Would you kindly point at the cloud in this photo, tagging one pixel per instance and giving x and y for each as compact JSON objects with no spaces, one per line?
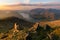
{"x":26,"y":1}
{"x":53,"y":3}
{"x":26,"y":16}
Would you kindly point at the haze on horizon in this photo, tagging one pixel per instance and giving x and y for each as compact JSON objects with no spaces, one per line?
{"x":10,"y":2}
{"x":15,"y":2}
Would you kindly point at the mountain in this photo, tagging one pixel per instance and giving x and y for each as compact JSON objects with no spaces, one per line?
{"x":6,"y":14}
{"x":42,"y":32}
{"x":13,"y":26}
{"x":9,"y":22}
{"x":15,"y":13}
{"x":45,"y":14}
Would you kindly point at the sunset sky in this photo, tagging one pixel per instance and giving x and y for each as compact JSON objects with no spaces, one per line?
{"x":4,"y":4}
{"x":9,"y":2}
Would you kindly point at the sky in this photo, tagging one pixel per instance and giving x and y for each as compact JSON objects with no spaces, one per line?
{"x":10,"y":2}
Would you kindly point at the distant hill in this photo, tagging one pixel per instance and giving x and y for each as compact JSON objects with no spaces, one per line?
{"x":6,"y":14}
{"x":45,"y":14}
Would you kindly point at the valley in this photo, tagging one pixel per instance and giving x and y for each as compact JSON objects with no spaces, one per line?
{"x":35,"y":24}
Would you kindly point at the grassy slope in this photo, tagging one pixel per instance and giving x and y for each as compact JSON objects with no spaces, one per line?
{"x":51,"y":23}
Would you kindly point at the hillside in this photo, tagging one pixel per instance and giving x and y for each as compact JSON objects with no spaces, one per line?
{"x":52,"y":24}
{"x":41,"y":14}
{"x":27,"y":30}
{"x":6,"y":14}
{"x":43,"y":26}
{"x":9,"y":22}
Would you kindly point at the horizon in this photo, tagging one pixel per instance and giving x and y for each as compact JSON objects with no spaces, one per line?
{"x":13,"y":2}
{"x":18,"y":4}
